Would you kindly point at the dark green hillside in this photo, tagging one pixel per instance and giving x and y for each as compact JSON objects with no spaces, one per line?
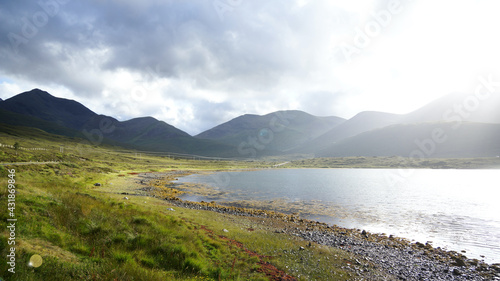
{"x":40,"y":104}
{"x":428,"y":140}
{"x":15,"y":119}
{"x":147,"y":133}
{"x":39,"y":109}
{"x":273,"y":133}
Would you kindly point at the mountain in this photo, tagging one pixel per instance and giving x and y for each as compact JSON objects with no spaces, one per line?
{"x":470,"y":123}
{"x":16,"y":119}
{"x":40,"y":104}
{"x":422,"y":140}
{"x":273,"y":133}
{"x":453,"y":108}
{"x":362,"y":122}
{"x":152,"y":134}
{"x":39,"y":109}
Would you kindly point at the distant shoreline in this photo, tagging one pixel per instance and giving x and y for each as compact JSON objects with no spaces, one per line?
{"x":396,"y":162}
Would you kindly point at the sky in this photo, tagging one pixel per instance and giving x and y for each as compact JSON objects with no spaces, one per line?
{"x":196,"y":64}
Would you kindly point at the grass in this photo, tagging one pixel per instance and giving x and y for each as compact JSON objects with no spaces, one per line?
{"x":96,"y":237}
{"x":85,"y":232}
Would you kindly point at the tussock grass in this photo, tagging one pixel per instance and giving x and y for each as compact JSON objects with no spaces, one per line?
{"x":84,"y":232}
{"x":106,"y":239}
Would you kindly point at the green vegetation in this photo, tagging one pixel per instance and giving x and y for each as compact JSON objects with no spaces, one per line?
{"x":84,"y":235}
{"x":88,"y":232}
{"x":39,"y":109}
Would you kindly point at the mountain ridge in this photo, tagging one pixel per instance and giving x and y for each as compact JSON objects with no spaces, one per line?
{"x":284,"y":132}
{"x":39,"y":109}
{"x":421,"y":140}
{"x":41,"y":104}
{"x":272,"y":133}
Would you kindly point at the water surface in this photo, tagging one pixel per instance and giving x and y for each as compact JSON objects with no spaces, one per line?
{"x":455,"y":209}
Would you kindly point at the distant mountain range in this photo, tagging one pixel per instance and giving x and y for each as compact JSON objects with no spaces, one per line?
{"x":366,"y":127}
{"x":275,"y":133}
{"x":39,"y":109}
{"x":455,"y":125}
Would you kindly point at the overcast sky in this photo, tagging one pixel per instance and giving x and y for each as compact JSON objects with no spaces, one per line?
{"x":196,"y":64}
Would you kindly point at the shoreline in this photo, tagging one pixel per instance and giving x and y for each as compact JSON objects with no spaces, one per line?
{"x":396,"y":256}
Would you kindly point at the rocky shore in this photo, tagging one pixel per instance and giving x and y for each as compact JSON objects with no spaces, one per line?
{"x":397,"y":257}
{"x":403,"y":260}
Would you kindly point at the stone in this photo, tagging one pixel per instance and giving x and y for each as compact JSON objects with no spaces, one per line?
{"x":459,"y":262}
{"x":457,"y":272}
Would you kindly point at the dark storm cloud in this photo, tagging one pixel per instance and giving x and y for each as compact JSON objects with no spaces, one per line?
{"x":240,"y":55}
{"x":44,"y":44}
{"x":187,"y":39}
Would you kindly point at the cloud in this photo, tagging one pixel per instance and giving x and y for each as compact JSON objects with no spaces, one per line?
{"x":196,"y":63}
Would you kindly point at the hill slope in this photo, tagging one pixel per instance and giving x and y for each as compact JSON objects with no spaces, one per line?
{"x":40,"y":104}
{"x":362,"y":122}
{"x":423,"y":140}
{"x":449,"y":108}
{"x":453,"y":108}
{"x":273,"y":133}
{"x":39,"y":109}
{"x":15,"y":119}
{"x":283,"y":132}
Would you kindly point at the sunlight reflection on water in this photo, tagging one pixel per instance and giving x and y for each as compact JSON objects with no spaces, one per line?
{"x":456,"y":209}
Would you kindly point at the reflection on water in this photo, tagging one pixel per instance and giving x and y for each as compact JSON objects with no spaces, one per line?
{"x":456,"y":209}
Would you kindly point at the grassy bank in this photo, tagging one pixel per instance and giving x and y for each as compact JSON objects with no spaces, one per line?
{"x":112,"y":232}
{"x":88,"y":232}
